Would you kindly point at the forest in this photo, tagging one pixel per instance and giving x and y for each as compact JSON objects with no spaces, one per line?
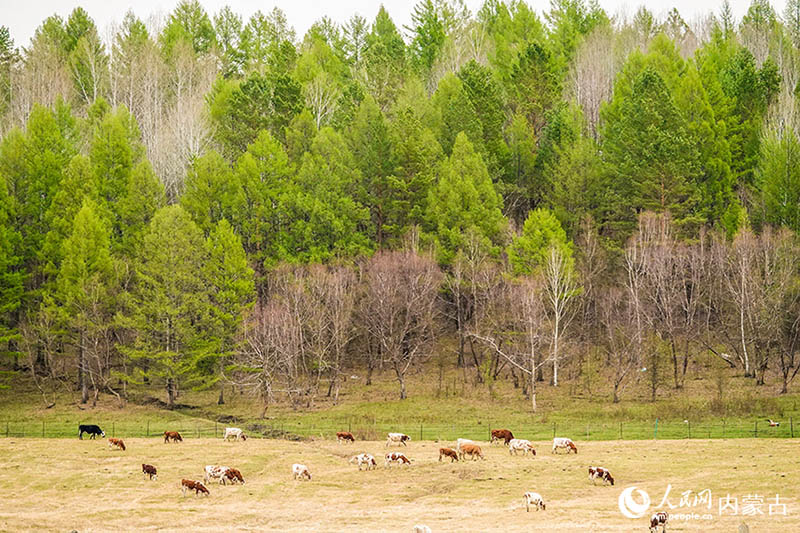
{"x":199,"y":200}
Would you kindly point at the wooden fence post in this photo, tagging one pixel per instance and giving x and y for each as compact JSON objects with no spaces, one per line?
{"x":554,"y":430}
{"x":655,"y":430}
{"x":148,"y":428}
{"x":791,"y":427}
{"x":755,"y":430}
{"x":620,"y":430}
{"x":42,"y":428}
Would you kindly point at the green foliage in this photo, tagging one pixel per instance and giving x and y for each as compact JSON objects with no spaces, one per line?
{"x":189,"y":25}
{"x":778,"y":178}
{"x":456,"y":114}
{"x":11,"y":275}
{"x":143,"y":196}
{"x":464,"y":204}
{"x":209,"y":192}
{"x":384,"y":59}
{"x":528,"y":252}
{"x":167,"y":306}
{"x":428,"y":35}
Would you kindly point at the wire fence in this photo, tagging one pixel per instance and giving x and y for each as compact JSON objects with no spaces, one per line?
{"x":369,"y":429}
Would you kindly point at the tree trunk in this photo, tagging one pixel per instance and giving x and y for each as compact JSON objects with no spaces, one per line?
{"x":221,"y":399}
{"x":82,"y":371}
{"x":170,"y":393}
{"x":555,"y":351}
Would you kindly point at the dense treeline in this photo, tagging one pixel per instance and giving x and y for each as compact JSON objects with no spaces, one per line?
{"x":203,"y":200}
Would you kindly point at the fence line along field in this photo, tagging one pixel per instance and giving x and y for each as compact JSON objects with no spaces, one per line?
{"x":82,"y":485}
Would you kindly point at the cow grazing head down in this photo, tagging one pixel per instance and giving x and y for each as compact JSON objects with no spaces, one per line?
{"x":116,"y":443}
{"x":174,"y":435}
{"x":598,"y":472}
{"x":196,"y":486}
{"x":659,"y":519}
{"x":396,"y":457}
{"x":345,"y":436}
{"x":448,"y":452}
{"x":234,"y":476}
{"x":300,"y":472}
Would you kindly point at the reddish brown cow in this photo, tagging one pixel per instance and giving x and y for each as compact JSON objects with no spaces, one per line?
{"x":149,"y":470}
{"x":174,"y":435}
{"x":344,"y":436}
{"x":472,"y":450}
{"x":448,"y":452}
{"x":234,"y":476}
{"x":502,"y":434}
{"x":116,"y":443}
{"x":196,"y":486}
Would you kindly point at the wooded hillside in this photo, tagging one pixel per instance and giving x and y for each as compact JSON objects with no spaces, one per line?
{"x":204,"y":199}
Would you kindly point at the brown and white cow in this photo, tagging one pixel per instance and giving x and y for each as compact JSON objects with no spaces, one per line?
{"x":598,"y":472}
{"x":364,"y":459}
{"x":234,"y":434}
{"x":116,"y":443}
{"x":344,"y":436}
{"x":520,"y":445}
{"x":534,"y":499}
{"x":234,"y":476}
{"x":448,"y":452}
{"x":659,"y":519}
{"x":300,"y":471}
{"x":397,"y":438}
{"x":150,"y":470}
{"x":562,"y":442}
{"x":421,"y":528}
{"x":473,"y":450}
{"x":396,"y":458}
{"x":502,"y":434}
{"x":217,"y":472}
{"x":174,"y":435}
{"x":196,"y":486}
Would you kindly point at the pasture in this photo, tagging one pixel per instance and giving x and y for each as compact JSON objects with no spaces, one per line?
{"x":69,"y":484}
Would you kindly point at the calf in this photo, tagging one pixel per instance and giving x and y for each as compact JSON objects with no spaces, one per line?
{"x":535,"y":499}
{"x":150,"y":470}
{"x":659,"y":519}
{"x":473,"y":450}
{"x":174,"y":435}
{"x":234,"y":476}
{"x":215,"y":472}
{"x":502,"y":434}
{"x":396,"y":457}
{"x":234,"y":434}
{"x":448,"y":452}
{"x":344,"y":436}
{"x":364,"y":459}
{"x":462,"y":442}
{"x":598,"y":472}
{"x":116,"y":443}
{"x":420,"y":528}
{"x":401,"y":438}
{"x":300,"y":471}
{"x":196,"y":486}
{"x":91,"y":429}
{"x":517,"y":445}
{"x":561,"y":442}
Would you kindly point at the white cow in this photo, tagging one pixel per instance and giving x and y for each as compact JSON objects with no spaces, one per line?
{"x":419,"y":528}
{"x":234,"y":434}
{"x":300,"y":471}
{"x":215,"y":472}
{"x":364,"y":459}
{"x":535,"y":499}
{"x":562,"y":442}
{"x":517,"y":445}
{"x":397,"y":438}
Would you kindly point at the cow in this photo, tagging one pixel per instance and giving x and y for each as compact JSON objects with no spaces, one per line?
{"x":659,"y":519}
{"x":473,"y":450}
{"x":462,"y":442}
{"x":91,"y":429}
{"x":174,"y":435}
{"x":364,"y":459}
{"x":501,"y":434}
{"x":562,"y":442}
{"x":300,"y":471}
{"x":234,"y":434}
{"x":396,"y":457}
{"x":196,"y":486}
{"x":401,"y":438}
{"x":535,"y":499}
{"x":517,"y":445}
{"x":215,"y":472}
{"x":598,"y":472}
{"x":448,"y":452}
{"x":234,"y":476}
{"x":420,"y":528}
{"x":116,"y":443}
{"x":344,"y":436}
{"x":150,"y":470}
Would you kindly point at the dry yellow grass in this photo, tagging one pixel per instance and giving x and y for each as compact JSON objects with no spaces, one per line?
{"x":67,"y":484}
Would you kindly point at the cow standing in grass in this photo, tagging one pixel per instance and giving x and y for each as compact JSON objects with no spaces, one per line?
{"x":344,"y":436}
{"x":174,"y":435}
{"x":533,"y":499}
{"x":502,"y":434}
{"x":397,"y":438}
{"x":396,"y":458}
{"x":150,"y":470}
{"x":598,"y":472}
{"x":520,"y":445}
{"x":300,"y":472}
{"x":448,"y":452}
{"x":196,"y":486}
{"x":364,"y":459}
{"x":90,"y":429}
{"x":116,"y":443}
{"x":659,"y":519}
{"x":562,"y":442}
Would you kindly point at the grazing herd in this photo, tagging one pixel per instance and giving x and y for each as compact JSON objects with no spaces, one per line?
{"x":464,"y":448}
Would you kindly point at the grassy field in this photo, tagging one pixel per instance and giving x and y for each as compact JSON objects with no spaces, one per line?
{"x":68,"y":484}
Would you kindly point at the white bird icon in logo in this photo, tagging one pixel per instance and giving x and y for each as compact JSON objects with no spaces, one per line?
{"x":630,"y":507}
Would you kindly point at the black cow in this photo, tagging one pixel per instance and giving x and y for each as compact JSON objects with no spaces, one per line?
{"x":91,"y":429}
